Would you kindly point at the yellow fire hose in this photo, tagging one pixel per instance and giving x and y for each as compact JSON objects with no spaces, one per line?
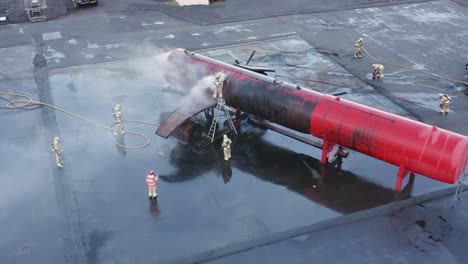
{"x":365,"y":50}
{"x":29,"y":102}
{"x":411,"y":68}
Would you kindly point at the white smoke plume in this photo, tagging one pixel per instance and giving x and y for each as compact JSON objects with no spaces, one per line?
{"x":177,"y":77}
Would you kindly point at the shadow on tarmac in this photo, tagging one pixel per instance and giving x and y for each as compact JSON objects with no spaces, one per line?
{"x":328,"y":185}
{"x":154,"y":208}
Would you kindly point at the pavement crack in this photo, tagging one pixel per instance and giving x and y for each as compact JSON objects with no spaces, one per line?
{"x":442,"y":218}
{"x":83,"y":243}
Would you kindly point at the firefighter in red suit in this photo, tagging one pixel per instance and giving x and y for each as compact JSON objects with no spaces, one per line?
{"x":151,"y":180}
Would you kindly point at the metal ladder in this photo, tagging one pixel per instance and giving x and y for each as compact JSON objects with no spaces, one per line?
{"x":462,"y":182}
{"x":220,"y":105}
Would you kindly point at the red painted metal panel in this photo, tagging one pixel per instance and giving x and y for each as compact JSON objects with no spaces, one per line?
{"x":420,"y":148}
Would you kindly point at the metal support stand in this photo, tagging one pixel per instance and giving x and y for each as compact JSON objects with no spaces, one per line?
{"x":327,"y":146}
{"x":324,"y":159}
{"x":462,"y":182}
{"x":220,"y":106}
{"x":402,"y":173}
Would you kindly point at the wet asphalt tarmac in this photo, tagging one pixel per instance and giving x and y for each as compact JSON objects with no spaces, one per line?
{"x":272,"y":184}
{"x":96,"y":209}
{"x":431,"y":232}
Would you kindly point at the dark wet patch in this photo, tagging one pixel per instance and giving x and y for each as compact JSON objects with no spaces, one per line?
{"x":39,"y":61}
{"x":71,"y":87}
{"x":97,"y":239}
{"x":328,"y":185}
{"x":421,"y":223}
{"x":432,"y":238}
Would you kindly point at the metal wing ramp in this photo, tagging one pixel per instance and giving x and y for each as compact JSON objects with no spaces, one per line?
{"x":183,"y":113}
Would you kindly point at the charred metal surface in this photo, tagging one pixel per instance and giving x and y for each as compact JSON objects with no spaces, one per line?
{"x":182,"y":114}
{"x":189,"y":132}
{"x":285,"y":132}
{"x":357,"y":132}
{"x":278,"y":102}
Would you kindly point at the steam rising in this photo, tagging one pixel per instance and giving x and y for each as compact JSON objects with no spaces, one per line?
{"x":201,"y":87}
{"x":179,"y":75}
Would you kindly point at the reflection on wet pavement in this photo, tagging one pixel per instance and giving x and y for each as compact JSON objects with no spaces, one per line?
{"x":120,"y":142}
{"x":328,"y":185}
{"x":153,"y":208}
